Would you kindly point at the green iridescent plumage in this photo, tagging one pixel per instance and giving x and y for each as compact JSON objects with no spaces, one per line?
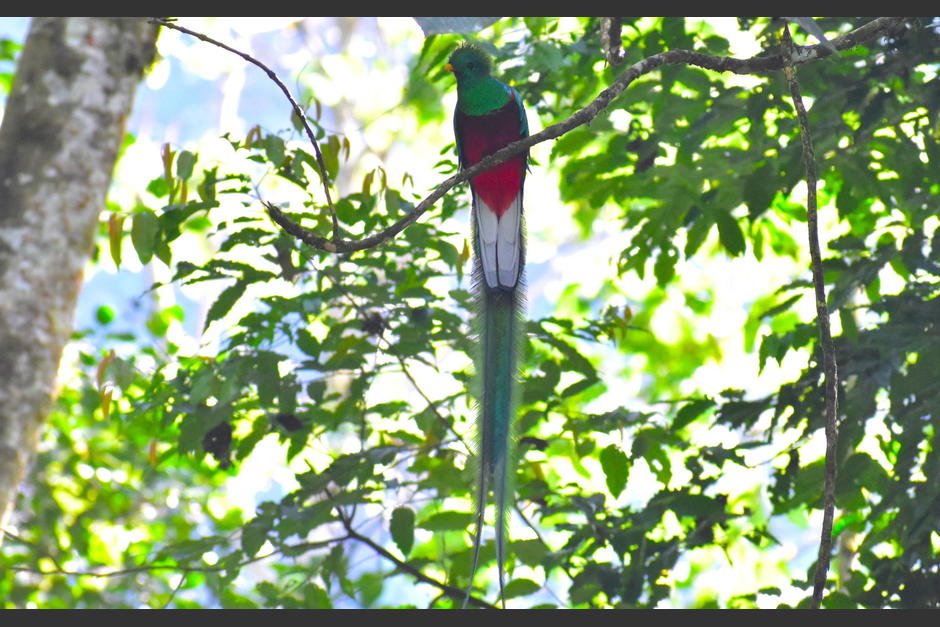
{"x":489,"y":116}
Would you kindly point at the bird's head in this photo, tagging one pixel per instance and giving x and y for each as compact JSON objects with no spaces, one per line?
{"x":469,"y":62}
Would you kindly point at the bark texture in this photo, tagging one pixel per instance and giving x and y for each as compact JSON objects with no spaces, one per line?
{"x":59,"y":140}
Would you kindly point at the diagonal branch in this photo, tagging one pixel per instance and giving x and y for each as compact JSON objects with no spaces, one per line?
{"x":451,"y":591}
{"x":822,"y":314}
{"x":754,"y":65}
{"x":298,"y":110}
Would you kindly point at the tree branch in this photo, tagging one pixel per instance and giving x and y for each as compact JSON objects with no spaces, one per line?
{"x":298,"y":110}
{"x":58,"y":569}
{"x":822,"y":314}
{"x":451,"y":591}
{"x":754,"y":65}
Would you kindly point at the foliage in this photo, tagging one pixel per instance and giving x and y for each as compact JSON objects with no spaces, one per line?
{"x":358,"y":366}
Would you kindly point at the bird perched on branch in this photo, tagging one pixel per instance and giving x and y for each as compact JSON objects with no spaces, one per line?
{"x":489,"y":116}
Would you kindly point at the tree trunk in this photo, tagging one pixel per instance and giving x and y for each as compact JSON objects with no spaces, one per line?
{"x":59,"y":139}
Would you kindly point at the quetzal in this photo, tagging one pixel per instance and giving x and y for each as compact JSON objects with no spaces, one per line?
{"x":489,"y":116}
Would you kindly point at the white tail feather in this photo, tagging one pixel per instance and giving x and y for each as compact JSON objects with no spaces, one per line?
{"x":488,"y":233}
{"x":500,"y":243}
{"x":507,"y":244}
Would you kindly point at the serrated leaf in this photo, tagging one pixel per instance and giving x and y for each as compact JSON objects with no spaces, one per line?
{"x":184,"y":269}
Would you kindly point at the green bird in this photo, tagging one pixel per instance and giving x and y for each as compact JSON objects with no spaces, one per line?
{"x":489,"y":116}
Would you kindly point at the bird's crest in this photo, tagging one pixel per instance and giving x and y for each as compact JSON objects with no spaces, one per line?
{"x":470,"y":56}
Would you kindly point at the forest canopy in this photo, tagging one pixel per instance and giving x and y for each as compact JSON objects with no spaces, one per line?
{"x":247,"y":418}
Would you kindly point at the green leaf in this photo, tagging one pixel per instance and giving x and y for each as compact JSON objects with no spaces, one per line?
{"x":184,"y":165}
{"x":447,"y":521}
{"x":158,"y":187}
{"x":274,"y":149}
{"x":615,"y":465}
{"x":307,"y":343}
{"x":690,"y":411}
{"x":144,"y":231}
{"x":529,"y":552}
{"x":330,"y":152}
{"x":729,"y":233}
{"x":402,"y":526}
{"x":578,"y":386}
{"x":115,"y":237}
{"x":370,"y":587}
{"x":254,"y":535}
{"x":759,"y":190}
{"x":223,"y":304}
{"x":521,"y":587}
{"x":664,"y":269}
{"x":573,"y":359}
{"x":184,"y":269}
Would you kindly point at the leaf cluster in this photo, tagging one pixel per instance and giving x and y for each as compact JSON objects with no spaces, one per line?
{"x":358,"y":367}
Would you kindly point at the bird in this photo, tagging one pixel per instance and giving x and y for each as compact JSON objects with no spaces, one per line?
{"x":490,"y":115}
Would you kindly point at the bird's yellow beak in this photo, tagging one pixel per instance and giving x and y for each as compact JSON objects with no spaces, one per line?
{"x":449,"y":67}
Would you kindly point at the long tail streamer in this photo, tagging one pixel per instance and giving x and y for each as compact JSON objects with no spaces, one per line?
{"x":499,"y":326}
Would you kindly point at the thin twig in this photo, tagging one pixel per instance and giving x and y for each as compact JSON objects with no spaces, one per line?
{"x":822,"y":314}
{"x":564,"y":566}
{"x":298,"y":110}
{"x":451,"y":591}
{"x":432,"y":405}
{"x":176,"y":588}
{"x":147,"y":568}
{"x":390,"y":349}
{"x":792,"y":55}
{"x":754,"y":65}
